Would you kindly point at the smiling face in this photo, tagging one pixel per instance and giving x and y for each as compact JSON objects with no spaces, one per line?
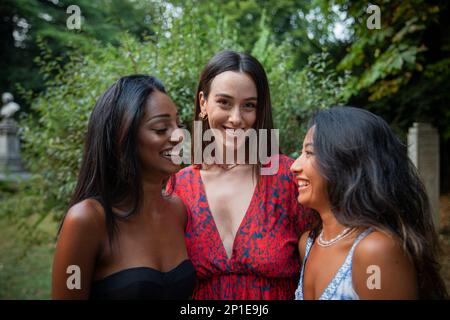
{"x":311,"y":184}
{"x":230,"y":105}
{"x":154,"y":135}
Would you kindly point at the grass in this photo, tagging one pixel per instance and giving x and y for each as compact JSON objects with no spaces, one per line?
{"x":25,"y":271}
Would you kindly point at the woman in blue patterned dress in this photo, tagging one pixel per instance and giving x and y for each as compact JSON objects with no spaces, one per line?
{"x":375,"y":238}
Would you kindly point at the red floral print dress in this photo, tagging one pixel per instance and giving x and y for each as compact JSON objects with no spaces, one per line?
{"x":265,"y":262}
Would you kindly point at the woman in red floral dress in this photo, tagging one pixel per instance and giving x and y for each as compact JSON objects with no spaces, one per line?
{"x":243,"y":223}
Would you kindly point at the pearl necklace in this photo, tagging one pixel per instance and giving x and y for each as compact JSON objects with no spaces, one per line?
{"x":326,"y":243}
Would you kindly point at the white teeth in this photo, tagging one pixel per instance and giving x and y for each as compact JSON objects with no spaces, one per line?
{"x":303,"y":184}
{"x":233,"y":132}
{"x":170,"y":153}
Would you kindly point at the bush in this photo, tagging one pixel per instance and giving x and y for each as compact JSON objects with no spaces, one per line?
{"x":54,"y":131}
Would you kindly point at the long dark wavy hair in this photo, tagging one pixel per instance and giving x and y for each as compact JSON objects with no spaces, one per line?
{"x":228,"y":60}
{"x":110,"y":170}
{"x":372,"y":183}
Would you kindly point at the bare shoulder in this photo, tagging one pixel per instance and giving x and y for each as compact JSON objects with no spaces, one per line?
{"x":87,"y":214}
{"x":302,"y":244}
{"x":378,"y":245}
{"x":381,"y":269}
{"x":380,"y":248}
{"x":83,"y":230}
{"x":79,"y":243}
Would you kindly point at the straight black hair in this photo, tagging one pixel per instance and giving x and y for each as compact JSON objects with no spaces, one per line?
{"x":110,"y":170}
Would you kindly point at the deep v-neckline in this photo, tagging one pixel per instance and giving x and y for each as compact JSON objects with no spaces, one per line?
{"x":214,"y":225}
{"x":335,"y":275}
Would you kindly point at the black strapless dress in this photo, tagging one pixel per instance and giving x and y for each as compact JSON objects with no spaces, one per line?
{"x":147,"y":283}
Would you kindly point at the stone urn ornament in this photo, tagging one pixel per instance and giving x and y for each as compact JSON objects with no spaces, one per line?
{"x":9,"y":107}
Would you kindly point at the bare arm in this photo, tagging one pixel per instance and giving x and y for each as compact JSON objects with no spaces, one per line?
{"x":76,"y":251}
{"x":382,"y":270}
{"x":181,"y":210}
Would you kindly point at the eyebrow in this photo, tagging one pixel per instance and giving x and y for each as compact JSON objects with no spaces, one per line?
{"x":163,"y":115}
{"x":309,"y":144}
{"x":231,"y":97}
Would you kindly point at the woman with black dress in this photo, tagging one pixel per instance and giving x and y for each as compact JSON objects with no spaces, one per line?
{"x":122,"y":237}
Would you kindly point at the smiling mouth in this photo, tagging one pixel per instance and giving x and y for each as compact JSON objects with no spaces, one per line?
{"x":234,"y":132}
{"x":168,"y":154}
{"x":302,"y":184}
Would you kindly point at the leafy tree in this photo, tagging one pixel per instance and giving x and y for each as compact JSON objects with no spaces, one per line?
{"x":54,"y":132}
{"x":296,"y":94}
{"x":402,"y":71}
{"x":305,"y":25}
{"x":24,"y":22}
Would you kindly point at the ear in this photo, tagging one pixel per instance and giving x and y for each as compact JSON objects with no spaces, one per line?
{"x":202,"y":100}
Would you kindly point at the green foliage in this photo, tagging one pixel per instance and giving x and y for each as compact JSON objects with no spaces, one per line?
{"x":24,"y":274}
{"x":390,"y":54}
{"x":304,"y":24}
{"x":400,"y":71}
{"x":102,"y":20}
{"x":53,"y":134}
{"x":296,"y":94}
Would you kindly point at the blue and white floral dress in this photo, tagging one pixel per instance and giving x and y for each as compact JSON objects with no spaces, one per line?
{"x":341,"y":286}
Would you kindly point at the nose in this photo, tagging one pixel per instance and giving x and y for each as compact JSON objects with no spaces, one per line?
{"x":296,"y":167}
{"x":235,"y":117}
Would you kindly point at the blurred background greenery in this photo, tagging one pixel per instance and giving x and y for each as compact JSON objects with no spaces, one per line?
{"x":316,"y":53}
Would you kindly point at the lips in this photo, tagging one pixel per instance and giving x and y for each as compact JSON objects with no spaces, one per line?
{"x":169,"y":153}
{"x":233,"y":132}
{"x":302,"y":183}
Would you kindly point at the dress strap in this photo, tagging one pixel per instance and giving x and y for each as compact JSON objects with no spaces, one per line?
{"x":299,"y":291}
{"x":349,"y":257}
{"x":361,"y":236}
{"x":309,"y":243}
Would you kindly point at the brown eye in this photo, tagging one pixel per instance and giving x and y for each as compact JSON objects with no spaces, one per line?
{"x":160,"y":131}
{"x":222,"y":102}
{"x":307,"y":152}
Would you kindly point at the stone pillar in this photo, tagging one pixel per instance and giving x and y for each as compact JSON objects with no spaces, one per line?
{"x":423,"y":150}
